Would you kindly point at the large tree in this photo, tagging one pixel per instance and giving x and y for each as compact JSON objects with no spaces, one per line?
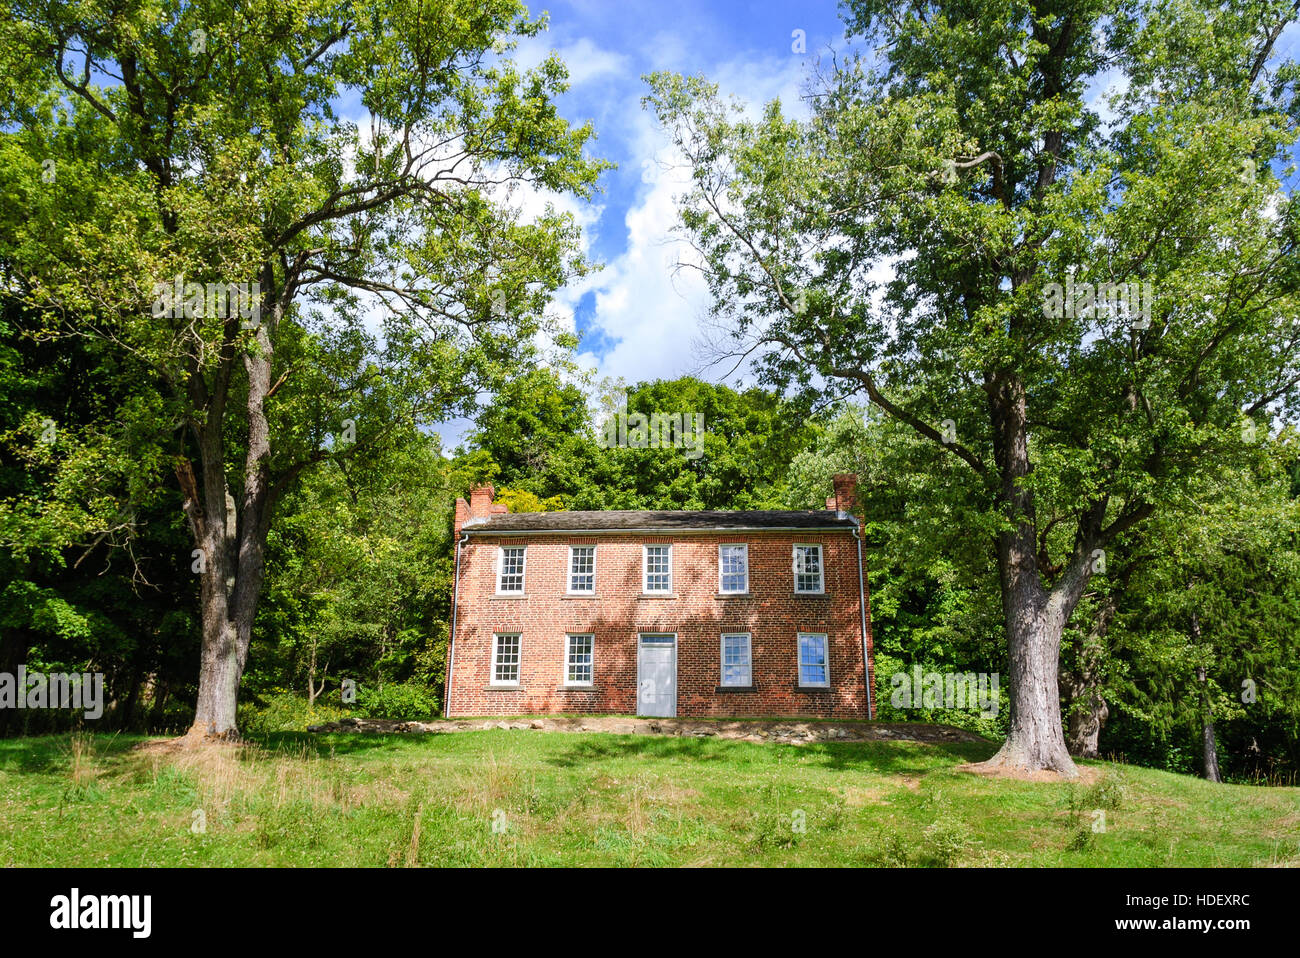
{"x":926,"y":238}
{"x":348,"y":163}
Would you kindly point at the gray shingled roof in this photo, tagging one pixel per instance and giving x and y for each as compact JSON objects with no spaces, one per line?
{"x":637,"y":520}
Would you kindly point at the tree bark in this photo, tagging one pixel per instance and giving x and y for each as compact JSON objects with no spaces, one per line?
{"x":15,"y":642}
{"x":313,"y":690}
{"x":1085,"y":704}
{"x":1034,"y":617}
{"x":1208,"y":748}
{"x":1035,"y":623}
{"x":231,"y":534}
{"x":1209,"y":751}
{"x":125,"y":717}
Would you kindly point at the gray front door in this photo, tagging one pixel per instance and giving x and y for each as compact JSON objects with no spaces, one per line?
{"x":656,"y":667}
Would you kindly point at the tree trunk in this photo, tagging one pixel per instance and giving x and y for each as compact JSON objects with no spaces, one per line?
{"x":1035,"y":618}
{"x":1209,"y":751}
{"x":1035,"y":739}
{"x":219,"y":675}
{"x":1087,"y":719}
{"x":313,"y":690}
{"x":15,"y":642}
{"x":230,"y":535}
{"x":1085,"y":705}
{"x":125,"y":717}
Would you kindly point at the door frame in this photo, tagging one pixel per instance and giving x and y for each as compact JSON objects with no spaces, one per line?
{"x":639,"y":636}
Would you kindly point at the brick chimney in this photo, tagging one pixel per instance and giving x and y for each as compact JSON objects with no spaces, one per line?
{"x":480,"y":501}
{"x":479,"y":507}
{"x":462,"y":514}
{"x":846,"y":492}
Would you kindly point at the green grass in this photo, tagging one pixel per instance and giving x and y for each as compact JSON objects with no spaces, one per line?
{"x":599,"y":799}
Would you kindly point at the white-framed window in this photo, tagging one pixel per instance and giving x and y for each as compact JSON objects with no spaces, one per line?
{"x":733,"y":568}
{"x":579,"y":652}
{"x":505,"y":658}
{"x":737,"y":660}
{"x":814,"y":669}
{"x":657,"y":561}
{"x":510,"y":569}
{"x":582,"y":570}
{"x":808,"y":568}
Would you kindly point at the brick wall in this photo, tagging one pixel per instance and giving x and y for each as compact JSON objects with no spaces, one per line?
{"x":772,"y":613}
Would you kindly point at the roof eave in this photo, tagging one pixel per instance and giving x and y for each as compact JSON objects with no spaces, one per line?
{"x":487,"y":529}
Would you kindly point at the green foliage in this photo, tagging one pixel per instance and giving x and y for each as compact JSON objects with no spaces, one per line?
{"x":1087,"y":808}
{"x":359,"y":575}
{"x":1216,"y":588}
{"x":204,"y":146}
{"x":410,"y":702}
{"x":286,"y":711}
{"x":540,"y":436}
{"x":521,"y":500}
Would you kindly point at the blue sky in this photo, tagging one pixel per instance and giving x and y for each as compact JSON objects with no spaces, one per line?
{"x":639,"y":316}
{"x":609,"y":46}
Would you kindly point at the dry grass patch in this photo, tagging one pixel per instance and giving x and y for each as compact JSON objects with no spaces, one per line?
{"x":855,"y":797}
{"x":670,"y":793}
{"x":377,"y":794}
{"x":83,"y":762}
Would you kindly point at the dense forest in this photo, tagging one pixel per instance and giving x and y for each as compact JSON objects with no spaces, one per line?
{"x":247,"y":505}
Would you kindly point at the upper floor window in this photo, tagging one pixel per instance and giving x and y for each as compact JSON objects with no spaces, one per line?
{"x":808,"y":569}
{"x":658,"y":565}
{"x":510,"y":569}
{"x":737,"y":665}
{"x":578,"y":659}
{"x":582,"y":569}
{"x":813,"y":668}
{"x":733,"y":568}
{"x":505,"y":659}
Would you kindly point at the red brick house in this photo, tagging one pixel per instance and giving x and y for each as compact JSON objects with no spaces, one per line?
{"x":760,"y":613}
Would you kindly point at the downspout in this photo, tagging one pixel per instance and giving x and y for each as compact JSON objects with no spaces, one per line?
{"x":455,"y":601}
{"x":862,"y":607}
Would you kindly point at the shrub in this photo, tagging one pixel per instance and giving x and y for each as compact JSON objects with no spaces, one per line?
{"x":284,"y":711}
{"x":405,"y":701}
{"x":949,"y":843}
{"x":1088,"y":807}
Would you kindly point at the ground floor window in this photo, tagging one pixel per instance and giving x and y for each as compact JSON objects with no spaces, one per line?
{"x":813,"y":668}
{"x":578,"y":659}
{"x":737,"y":664}
{"x":505,"y":659}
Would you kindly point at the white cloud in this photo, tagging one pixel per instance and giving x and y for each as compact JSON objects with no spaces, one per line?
{"x":644,"y":297}
{"x":585,"y":60}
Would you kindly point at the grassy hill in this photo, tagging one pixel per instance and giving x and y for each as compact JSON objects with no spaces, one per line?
{"x":504,"y":797}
